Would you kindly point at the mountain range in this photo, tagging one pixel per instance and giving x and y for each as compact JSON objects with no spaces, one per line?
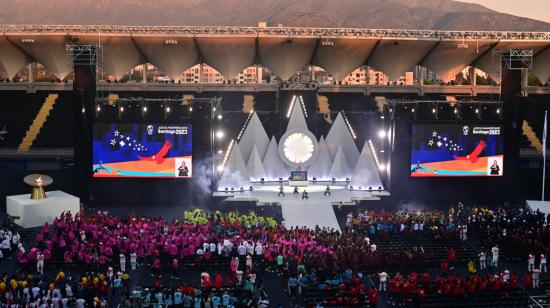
{"x":394,"y":14}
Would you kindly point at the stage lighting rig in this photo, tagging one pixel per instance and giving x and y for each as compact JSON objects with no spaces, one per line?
{"x":327,"y":42}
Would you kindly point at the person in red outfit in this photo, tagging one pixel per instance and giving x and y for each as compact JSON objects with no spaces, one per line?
{"x":451,"y":256}
{"x":373,"y":296}
{"x":444,"y":267}
{"x":425,"y":278}
{"x":218,"y":281}
{"x":513,"y":282}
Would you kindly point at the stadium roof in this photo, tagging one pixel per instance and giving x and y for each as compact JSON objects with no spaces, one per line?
{"x":284,"y":50}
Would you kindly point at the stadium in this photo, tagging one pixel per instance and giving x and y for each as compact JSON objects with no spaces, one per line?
{"x":273,"y":166}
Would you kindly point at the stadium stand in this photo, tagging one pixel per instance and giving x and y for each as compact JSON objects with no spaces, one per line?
{"x":56,"y":131}
{"x":18,"y":112}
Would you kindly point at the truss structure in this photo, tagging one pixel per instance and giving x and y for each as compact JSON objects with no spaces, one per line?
{"x":83,"y":54}
{"x":437,"y":102}
{"x":292,"y":32}
{"x":517,"y":59}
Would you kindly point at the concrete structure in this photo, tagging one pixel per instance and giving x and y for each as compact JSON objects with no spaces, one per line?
{"x":284,"y":50}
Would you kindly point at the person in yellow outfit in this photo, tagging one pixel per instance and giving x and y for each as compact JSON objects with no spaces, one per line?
{"x":472,"y":267}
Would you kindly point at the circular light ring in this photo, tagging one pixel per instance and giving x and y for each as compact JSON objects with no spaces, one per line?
{"x":298,"y":148}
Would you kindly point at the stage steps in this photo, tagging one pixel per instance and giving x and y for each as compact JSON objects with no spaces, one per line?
{"x":37,"y":124}
{"x":532,"y":136}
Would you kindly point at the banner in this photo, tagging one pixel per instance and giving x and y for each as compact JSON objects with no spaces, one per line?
{"x":456,"y":150}
{"x":142,"y":150}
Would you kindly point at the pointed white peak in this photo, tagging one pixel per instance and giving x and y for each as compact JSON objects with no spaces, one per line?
{"x":274,"y":166}
{"x":340,"y":167}
{"x":254,"y":135}
{"x":297,"y":119}
{"x":255,"y":166}
{"x":340,"y":136}
{"x":365,"y":173}
{"x":320,"y":168}
{"x":235,"y":173}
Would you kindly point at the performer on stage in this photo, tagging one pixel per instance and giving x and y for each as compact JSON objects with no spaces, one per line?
{"x":281,"y":192}
{"x":327,"y":191}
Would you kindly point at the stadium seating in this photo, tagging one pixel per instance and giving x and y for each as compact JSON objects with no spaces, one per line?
{"x":517,"y":298}
{"x":437,"y":248}
{"x":326,"y":298}
{"x":57,"y":131}
{"x":18,"y":111}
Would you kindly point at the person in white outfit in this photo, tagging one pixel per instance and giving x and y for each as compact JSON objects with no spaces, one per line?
{"x":482,"y":259}
{"x":530,"y":262}
{"x":506,"y":276}
{"x":6,"y":245}
{"x":40,"y":263}
{"x":464,"y":233}
{"x":383,"y":277}
{"x":241,"y":250}
{"x":16,"y":238}
{"x":542,"y":263}
{"x":21,"y":248}
{"x":250,"y":248}
{"x":536,"y":277}
{"x":495,"y":252}
{"x":248,"y":262}
{"x":122,"y":262}
{"x":133,"y":260}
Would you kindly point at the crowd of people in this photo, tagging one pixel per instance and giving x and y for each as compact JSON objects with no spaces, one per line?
{"x":62,"y":289}
{"x":246,"y":246}
{"x":242,"y":294}
{"x":10,"y":241}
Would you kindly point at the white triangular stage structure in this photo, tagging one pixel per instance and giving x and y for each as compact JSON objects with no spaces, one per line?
{"x":255,"y":166}
{"x":297,"y":119}
{"x":365,"y":173}
{"x":340,"y":136}
{"x":340,"y":167}
{"x":235,"y":173}
{"x":257,"y":157}
{"x":320,"y":168}
{"x":254,"y":135}
{"x":274,"y":166}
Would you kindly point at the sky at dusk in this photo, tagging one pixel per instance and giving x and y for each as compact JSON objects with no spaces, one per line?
{"x":536,"y":9}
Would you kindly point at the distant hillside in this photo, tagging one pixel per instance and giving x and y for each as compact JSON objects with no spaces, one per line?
{"x":409,"y":14}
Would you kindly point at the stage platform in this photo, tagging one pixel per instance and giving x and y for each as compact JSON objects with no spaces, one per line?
{"x":34,"y":213}
{"x":315,"y":211}
{"x":542,"y":206}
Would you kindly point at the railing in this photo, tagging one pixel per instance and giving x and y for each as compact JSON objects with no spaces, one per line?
{"x":540,"y":301}
{"x":198,"y":87}
{"x":291,"y":32}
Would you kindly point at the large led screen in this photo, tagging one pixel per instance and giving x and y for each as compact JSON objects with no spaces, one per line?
{"x":122,"y":150}
{"x":440,"y":150}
